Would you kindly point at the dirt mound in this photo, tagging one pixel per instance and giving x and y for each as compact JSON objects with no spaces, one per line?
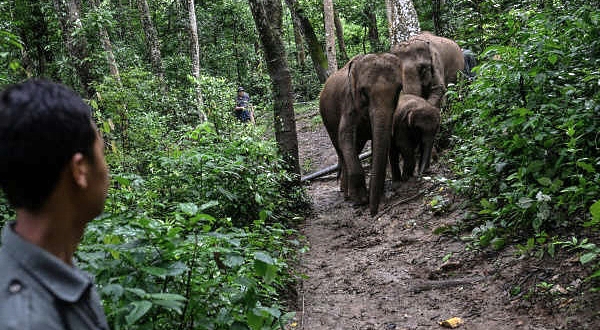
{"x":393,"y":272}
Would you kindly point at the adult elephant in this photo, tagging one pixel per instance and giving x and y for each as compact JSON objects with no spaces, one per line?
{"x":429,"y":64}
{"x":415,"y":124}
{"x":357,"y":104}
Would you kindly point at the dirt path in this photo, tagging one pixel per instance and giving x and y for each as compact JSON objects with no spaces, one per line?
{"x":393,"y":272}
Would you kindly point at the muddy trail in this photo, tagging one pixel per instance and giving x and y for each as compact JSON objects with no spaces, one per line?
{"x":403,"y":270}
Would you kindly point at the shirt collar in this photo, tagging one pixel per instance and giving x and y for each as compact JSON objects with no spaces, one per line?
{"x":67,"y":283}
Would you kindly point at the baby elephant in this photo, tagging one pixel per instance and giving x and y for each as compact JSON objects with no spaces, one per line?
{"x":416,"y":122}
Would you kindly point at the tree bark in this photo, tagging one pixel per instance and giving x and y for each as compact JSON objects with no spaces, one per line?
{"x":268,"y":19}
{"x":402,"y":20}
{"x":369,"y":12}
{"x":314,"y":46}
{"x":436,"y":17}
{"x":195,"y":56}
{"x":152,"y":41}
{"x":68,"y":12}
{"x":300,"y":54}
{"x":329,"y":36}
{"x":339,"y":32}
{"x":107,"y":45}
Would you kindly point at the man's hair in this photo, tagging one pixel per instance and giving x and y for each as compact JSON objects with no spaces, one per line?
{"x":42,"y":125}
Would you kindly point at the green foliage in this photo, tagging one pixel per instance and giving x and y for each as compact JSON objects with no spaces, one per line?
{"x":9,"y":43}
{"x":532,"y":122}
{"x":6,"y":213}
{"x":589,"y":254}
{"x":180,"y":244}
{"x":175,"y":271}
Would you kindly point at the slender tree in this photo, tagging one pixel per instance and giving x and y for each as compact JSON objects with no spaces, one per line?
{"x":369,"y":11}
{"x":299,"y":41}
{"x":69,"y":16}
{"x":33,"y":30}
{"x":329,"y":36}
{"x":152,"y":41}
{"x":314,"y":46}
{"x":107,"y":46}
{"x":436,"y":14}
{"x":339,"y":32}
{"x":195,"y":56}
{"x":402,"y":19}
{"x":268,"y":19}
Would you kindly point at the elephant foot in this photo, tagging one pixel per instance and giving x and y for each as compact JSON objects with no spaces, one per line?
{"x":357,"y":206}
{"x":359,"y":202}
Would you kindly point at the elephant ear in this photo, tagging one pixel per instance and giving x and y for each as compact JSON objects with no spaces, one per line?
{"x":358,"y":98}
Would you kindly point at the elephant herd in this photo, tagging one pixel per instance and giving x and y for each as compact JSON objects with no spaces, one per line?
{"x":392,"y":99}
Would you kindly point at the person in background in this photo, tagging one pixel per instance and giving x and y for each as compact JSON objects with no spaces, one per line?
{"x":470,"y":63}
{"x":243,"y":109}
{"x":53,"y":173}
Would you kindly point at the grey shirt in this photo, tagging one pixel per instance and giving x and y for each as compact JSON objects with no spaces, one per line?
{"x":40,"y":291}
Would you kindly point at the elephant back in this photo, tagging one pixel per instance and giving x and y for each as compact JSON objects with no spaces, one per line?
{"x":449,"y":52}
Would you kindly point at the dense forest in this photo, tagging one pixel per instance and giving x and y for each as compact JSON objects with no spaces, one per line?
{"x":198,"y":231}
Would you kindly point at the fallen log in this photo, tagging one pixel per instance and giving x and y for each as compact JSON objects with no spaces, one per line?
{"x":330,"y":169}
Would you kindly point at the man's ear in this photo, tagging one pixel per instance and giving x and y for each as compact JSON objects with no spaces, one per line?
{"x":80,"y":168}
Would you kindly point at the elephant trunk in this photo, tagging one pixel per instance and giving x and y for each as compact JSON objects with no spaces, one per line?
{"x":381,"y":124}
{"x":426,"y":148}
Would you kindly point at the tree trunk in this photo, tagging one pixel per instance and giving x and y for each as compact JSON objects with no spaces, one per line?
{"x":68,"y":12}
{"x":152,"y":41}
{"x":339,"y":32}
{"x":329,"y":36}
{"x":402,"y":19}
{"x":195,"y":56}
{"x":369,"y":11}
{"x":436,"y":16}
{"x":107,"y":45}
{"x":300,"y":54}
{"x":314,"y":46}
{"x":33,"y":30}
{"x":268,"y":20}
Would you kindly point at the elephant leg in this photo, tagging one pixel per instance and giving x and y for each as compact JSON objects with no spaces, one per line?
{"x":426,"y":149}
{"x":353,"y":172}
{"x":395,"y":166}
{"x":340,"y":169}
{"x":408,"y":156}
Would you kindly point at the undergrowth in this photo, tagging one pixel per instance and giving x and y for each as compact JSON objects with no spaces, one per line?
{"x":527,"y":146}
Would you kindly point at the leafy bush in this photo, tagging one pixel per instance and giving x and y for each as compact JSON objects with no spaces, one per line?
{"x":194,"y":232}
{"x":528,"y":126}
{"x":179,"y":245}
{"x":188,"y":269}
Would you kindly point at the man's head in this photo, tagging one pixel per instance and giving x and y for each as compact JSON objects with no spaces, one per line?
{"x":240,"y":90}
{"x":44,"y":127}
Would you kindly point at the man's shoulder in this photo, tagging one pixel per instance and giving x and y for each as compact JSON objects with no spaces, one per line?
{"x":24,"y":303}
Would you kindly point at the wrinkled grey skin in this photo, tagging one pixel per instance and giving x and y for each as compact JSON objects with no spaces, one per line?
{"x":429,"y":64}
{"x":357,"y":104}
{"x":416,"y":122}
